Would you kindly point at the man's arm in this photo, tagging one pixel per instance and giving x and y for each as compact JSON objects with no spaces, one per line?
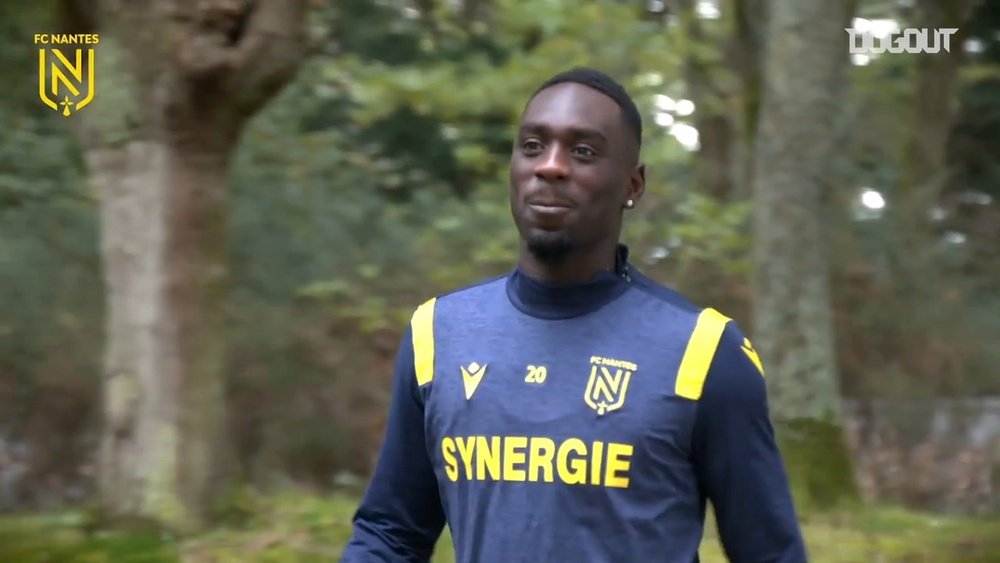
{"x":400,"y":517}
{"x":738,"y":461}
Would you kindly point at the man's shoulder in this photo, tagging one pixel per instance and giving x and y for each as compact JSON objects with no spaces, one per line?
{"x":713,"y":326}
{"x":667,"y":296}
{"x":482,"y":285}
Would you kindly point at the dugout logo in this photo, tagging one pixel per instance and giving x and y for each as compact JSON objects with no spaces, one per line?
{"x":910,"y":40}
{"x":608,"y":384}
{"x":66,"y":70}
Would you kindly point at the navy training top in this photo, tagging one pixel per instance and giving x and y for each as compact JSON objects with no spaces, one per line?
{"x":585,"y":422}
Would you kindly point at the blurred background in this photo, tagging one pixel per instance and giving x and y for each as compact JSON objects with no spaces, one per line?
{"x":204,"y":274}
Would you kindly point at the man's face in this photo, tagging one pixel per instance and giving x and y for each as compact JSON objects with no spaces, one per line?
{"x":572,"y":168}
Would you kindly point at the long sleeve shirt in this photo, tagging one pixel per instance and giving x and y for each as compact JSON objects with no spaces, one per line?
{"x":588,"y":422}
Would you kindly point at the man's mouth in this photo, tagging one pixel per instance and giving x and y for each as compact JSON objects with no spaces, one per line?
{"x":549,"y":205}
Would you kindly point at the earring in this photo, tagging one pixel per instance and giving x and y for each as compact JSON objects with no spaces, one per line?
{"x":629,"y":204}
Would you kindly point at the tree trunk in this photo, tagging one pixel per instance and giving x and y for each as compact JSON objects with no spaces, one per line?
{"x":177,"y":81}
{"x":804,"y":76}
{"x":163,"y":249}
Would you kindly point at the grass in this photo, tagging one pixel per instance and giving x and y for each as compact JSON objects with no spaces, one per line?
{"x":296,"y":527}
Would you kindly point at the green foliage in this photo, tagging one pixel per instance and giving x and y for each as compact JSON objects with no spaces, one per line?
{"x":50,"y":286}
{"x":61,"y":537}
{"x":712,"y":231}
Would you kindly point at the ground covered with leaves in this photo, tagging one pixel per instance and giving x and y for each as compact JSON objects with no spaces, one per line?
{"x":297,"y":527}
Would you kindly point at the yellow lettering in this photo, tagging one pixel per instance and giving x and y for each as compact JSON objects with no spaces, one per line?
{"x":572,"y":472}
{"x":67,"y":39}
{"x":466,"y":448}
{"x":450,"y":463}
{"x":537,"y":458}
{"x":513,"y":453}
{"x":599,"y":361}
{"x":618,"y":455}
{"x":595,"y":463}
{"x":540,"y":458}
{"x":488,"y":458}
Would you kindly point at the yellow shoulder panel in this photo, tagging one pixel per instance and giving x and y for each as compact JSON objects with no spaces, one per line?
{"x":698,"y":355}
{"x":422,"y":325}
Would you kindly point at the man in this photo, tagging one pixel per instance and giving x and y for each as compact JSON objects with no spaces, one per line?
{"x":574,"y":410}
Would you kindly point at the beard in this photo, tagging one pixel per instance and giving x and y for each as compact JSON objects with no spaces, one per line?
{"x":550,"y":247}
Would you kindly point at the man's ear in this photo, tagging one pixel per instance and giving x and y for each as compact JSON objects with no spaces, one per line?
{"x":637,"y":183}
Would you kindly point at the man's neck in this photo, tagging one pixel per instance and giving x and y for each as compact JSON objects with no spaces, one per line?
{"x":579,"y":266}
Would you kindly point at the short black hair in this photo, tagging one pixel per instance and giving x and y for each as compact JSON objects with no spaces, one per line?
{"x":608,"y":86}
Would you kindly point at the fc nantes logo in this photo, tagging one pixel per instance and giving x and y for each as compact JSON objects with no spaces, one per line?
{"x":608,"y":384}
{"x":66,"y":70}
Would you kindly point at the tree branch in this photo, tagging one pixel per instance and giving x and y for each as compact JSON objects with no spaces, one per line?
{"x":210,"y":29}
{"x":242,"y":50}
{"x":270,"y":50}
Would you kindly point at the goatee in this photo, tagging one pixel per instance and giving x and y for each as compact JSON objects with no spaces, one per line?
{"x":550,"y":247}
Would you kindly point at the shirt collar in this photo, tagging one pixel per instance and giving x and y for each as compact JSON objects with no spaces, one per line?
{"x":561,"y":301}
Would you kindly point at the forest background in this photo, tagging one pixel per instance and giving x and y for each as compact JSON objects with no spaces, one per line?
{"x":204,"y":274}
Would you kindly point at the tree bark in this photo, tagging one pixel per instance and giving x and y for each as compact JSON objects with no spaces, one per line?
{"x":163,"y":249}
{"x":804,"y":72}
{"x":177,"y":81}
{"x":795,"y":157}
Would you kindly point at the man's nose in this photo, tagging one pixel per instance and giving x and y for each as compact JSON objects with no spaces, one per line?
{"x":553,"y":164}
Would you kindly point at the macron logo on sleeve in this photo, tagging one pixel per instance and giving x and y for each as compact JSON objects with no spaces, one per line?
{"x":752,"y":354}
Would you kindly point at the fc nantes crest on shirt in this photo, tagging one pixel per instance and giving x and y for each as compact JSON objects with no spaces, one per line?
{"x":66,"y":70}
{"x":606,"y":391}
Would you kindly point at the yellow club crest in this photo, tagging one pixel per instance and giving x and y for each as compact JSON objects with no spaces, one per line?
{"x":608,"y":384}
{"x":66,"y":70}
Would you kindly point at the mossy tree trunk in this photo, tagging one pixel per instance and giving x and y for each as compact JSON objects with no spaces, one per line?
{"x":176,"y":81}
{"x":804,"y":76}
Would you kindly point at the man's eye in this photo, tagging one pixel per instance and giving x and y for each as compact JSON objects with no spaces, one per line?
{"x":585,"y":152}
{"x":531,"y":146}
